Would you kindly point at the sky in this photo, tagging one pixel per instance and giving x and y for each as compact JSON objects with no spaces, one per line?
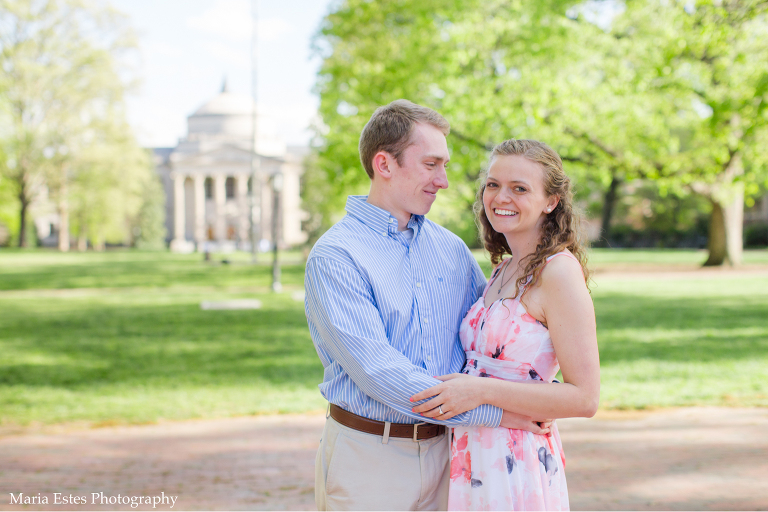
{"x":188,"y":47}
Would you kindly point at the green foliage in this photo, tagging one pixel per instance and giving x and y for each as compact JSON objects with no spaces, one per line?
{"x":671,"y":92}
{"x":496,"y":70}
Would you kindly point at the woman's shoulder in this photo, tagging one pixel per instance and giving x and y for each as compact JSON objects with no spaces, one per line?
{"x":562,"y":266}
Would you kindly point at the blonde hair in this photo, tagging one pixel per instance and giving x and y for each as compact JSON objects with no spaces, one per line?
{"x":390,"y":128}
{"x":560,"y":229}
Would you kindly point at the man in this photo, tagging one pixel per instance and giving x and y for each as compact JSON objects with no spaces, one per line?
{"x":386,"y":290}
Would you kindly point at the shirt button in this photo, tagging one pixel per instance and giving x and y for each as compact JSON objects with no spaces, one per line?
{"x":426,"y":320}
{"x":429,"y":358}
{"x":384,"y":233}
{"x":418,"y":285}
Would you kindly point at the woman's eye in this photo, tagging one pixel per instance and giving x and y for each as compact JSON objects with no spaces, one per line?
{"x":490,"y":185}
{"x":520,"y":189}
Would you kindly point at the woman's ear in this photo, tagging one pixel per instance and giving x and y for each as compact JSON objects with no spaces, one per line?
{"x":552,"y":204}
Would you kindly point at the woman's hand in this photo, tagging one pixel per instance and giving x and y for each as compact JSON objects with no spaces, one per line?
{"x":518,"y":421}
{"x":457,"y":394}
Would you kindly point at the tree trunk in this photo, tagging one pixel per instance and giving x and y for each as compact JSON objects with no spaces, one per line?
{"x":21,"y":180}
{"x":609,"y":205}
{"x":734,"y":226}
{"x":82,"y":238}
{"x":63,"y":219}
{"x":23,"y":222}
{"x":716,"y":240}
{"x":726,"y":227}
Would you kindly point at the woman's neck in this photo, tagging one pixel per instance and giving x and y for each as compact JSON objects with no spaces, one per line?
{"x":521,"y":246}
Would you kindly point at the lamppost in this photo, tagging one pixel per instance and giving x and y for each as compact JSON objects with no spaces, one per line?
{"x":277,"y":188}
{"x":255,"y":192}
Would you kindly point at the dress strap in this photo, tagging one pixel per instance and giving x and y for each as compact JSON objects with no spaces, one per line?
{"x":562,"y":253}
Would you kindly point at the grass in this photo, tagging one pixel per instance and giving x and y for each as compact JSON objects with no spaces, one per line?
{"x":119,"y":337}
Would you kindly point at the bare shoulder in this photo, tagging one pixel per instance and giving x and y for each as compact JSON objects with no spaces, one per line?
{"x":562,"y":270}
{"x":565,"y":294}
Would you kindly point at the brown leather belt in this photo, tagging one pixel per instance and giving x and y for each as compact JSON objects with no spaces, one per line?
{"x":415,"y":431}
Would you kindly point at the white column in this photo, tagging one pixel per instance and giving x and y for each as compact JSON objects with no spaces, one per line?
{"x":179,"y":220}
{"x":200,"y":237}
{"x":220,"y":198}
{"x":241,"y":196}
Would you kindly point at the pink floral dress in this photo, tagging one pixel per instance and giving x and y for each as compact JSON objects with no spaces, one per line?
{"x":500,"y":468}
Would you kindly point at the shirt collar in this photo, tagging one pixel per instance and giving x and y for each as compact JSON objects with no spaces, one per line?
{"x":379,"y":220}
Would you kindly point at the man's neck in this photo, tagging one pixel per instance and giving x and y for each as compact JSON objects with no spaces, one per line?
{"x":381,"y":201}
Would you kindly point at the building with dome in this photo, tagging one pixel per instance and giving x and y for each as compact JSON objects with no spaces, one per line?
{"x":207,"y":180}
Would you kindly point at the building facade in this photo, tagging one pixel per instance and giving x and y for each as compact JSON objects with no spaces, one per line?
{"x":208,"y":181}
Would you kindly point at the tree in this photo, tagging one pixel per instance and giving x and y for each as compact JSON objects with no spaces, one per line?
{"x":496,"y":69}
{"x":63,"y":82}
{"x":711,"y":54}
{"x":670,"y":92}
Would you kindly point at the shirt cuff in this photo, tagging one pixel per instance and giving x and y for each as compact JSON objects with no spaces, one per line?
{"x":486,"y":415}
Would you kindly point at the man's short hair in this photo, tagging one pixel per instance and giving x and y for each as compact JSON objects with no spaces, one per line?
{"x":389,"y":129}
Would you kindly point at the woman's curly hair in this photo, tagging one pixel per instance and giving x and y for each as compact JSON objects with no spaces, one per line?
{"x":561,"y":228}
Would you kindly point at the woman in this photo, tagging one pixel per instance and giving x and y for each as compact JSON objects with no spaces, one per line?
{"x":535,"y":317}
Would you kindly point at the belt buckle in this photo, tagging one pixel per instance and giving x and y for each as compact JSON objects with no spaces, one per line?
{"x":415,"y":430}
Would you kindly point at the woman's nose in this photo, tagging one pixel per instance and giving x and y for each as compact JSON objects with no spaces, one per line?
{"x":504,"y":195}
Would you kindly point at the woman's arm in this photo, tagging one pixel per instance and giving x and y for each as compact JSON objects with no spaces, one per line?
{"x":568,"y":311}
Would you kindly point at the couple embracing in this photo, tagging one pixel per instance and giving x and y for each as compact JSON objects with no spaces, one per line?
{"x":441,"y":385}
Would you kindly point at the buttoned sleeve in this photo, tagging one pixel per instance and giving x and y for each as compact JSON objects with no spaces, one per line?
{"x":341,"y":307}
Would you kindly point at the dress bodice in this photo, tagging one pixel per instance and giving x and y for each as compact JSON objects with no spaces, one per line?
{"x":505,"y":342}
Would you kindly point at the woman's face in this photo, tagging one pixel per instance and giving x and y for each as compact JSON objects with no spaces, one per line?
{"x":514,"y":198}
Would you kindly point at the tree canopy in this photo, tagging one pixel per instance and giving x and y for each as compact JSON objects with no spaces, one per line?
{"x":620,"y":91}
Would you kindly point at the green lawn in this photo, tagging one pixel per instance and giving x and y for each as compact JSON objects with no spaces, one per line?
{"x":120,"y":337}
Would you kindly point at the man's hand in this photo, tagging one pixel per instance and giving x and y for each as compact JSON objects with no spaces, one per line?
{"x":518,"y":421}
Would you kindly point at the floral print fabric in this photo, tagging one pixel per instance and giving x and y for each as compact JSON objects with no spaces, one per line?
{"x":500,"y":468}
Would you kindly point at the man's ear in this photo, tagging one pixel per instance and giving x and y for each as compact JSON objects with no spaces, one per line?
{"x":382,"y":162}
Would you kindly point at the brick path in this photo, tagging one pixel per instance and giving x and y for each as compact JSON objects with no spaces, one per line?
{"x":678,"y":459}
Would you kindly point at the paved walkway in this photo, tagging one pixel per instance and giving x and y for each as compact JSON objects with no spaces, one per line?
{"x":678,"y":459}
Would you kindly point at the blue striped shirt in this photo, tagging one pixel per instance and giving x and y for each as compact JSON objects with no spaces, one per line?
{"x":384,"y":312}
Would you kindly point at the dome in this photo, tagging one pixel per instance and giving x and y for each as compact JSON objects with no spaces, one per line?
{"x":227,"y":114}
{"x":226,"y":103}
{"x":228,"y":117}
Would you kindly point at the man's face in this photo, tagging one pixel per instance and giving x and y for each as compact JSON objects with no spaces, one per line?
{"x":415,"y":183}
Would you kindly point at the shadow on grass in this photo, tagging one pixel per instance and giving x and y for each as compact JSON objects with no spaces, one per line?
{"x":162,"y":272}
{"x":691,"y":330}
{"x":175,"y":346}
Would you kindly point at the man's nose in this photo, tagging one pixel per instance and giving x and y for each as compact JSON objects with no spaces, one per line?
{"x":441,"y":180}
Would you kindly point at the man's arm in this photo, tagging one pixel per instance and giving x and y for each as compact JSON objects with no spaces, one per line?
{"x":341,"y":307}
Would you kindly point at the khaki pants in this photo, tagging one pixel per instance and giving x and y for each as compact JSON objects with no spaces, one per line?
{"x":358,"y":471}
